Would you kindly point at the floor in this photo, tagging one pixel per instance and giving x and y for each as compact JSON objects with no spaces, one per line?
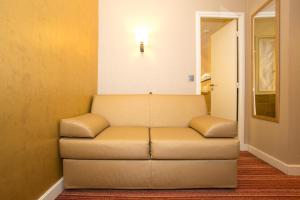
{"x":256,"y":180}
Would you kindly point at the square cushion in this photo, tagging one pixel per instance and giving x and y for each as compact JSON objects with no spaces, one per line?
{"x":188,"y":144}
{"x":112,"y":143}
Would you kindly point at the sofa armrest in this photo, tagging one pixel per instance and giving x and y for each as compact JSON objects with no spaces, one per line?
{"x":88,"y":125}
{"x":214,"y":127}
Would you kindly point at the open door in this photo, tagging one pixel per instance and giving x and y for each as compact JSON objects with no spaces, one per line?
{"x":224,"y":61}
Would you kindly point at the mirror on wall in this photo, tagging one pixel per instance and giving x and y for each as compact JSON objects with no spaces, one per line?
{"x":265,"y":61}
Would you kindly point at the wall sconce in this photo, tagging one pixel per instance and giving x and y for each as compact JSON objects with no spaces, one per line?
{"x":142,"y":47}
{"x":141,"y":36}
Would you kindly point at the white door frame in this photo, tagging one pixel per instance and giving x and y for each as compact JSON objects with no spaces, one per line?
{"x":240,"y":16}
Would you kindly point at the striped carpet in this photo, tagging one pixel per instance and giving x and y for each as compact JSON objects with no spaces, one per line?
{"x":256,"y":180}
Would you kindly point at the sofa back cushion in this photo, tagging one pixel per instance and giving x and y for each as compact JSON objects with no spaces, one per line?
{"x":123,"y":110}
{"x":175,"y":110}
{"x":149,"y":110}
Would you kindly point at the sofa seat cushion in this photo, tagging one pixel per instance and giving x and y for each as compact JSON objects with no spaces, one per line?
{"x":188,"y":144}
{"x":112,"y":143}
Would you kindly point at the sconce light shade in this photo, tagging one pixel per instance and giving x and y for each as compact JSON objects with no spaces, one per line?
{"x":142,"y":47}
{"x":141,"y":36}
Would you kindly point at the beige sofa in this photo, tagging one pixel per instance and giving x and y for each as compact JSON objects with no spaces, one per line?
{"x":149,"y":142}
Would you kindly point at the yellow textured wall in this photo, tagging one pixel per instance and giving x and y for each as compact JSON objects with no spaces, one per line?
{"x":48,"y":71}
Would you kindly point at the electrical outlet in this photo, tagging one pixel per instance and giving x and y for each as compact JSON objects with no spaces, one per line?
{"x":191,"y":78}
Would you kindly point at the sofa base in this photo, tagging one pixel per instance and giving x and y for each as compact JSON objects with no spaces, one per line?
{"x":149,"y":174}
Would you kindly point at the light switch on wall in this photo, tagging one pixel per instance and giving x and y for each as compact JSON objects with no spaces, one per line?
{"x":191,"y":78}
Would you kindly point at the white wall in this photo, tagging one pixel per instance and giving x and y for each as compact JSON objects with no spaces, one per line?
{"x":170,"y":54}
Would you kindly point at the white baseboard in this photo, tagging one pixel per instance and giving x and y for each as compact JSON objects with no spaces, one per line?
{"x":243,"y":147}
{"x":282,"y":166}
{"x":294,"y":170}
{"x":53,"y":191}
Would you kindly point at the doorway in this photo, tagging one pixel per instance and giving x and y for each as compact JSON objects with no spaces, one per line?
{"x":219,"y":57}
{"x":220,"y":65}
